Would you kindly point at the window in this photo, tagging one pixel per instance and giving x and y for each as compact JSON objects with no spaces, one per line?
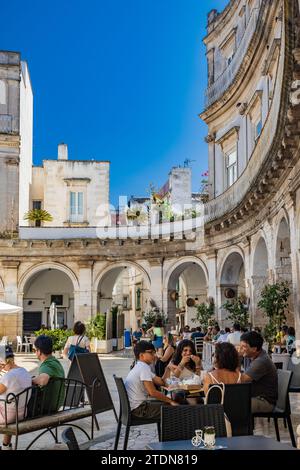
{"x":57,"y":299}
{"x":258,"y":128}
{"x":76,"y":206}
{"x":36,"y":205}
{"x":138,"y":298}
{"x":231,"y":167}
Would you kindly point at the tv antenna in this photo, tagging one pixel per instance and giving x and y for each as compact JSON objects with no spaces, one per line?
{"x":187,"y":162}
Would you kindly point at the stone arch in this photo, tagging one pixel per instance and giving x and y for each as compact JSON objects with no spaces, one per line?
{"x":283,"y":263}
{"x":126,"y":284}
{"x":260,"y":277}
{"x":232,"y":278}
{"x":1,"y":289}
{"x":42,"y":284}
{"x":44,"y":266}
{"x":188,"y":277}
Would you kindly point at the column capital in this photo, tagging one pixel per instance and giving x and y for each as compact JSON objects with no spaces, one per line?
{"x":10,"y":264}
{"x":85,"y":263}
{"x":212,"y":253}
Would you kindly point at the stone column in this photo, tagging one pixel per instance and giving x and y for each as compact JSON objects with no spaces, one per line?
{"x":294,"y":264}
{"x":12,"y":324}
{"x":156,"y":288}
{"x":83,"y":298}
{"x":213,"y":290}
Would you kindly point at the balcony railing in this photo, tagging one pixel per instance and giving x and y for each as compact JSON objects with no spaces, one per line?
{"x":216,"y":90}
{"x":234,"y":195}
{"x":5,"y":123}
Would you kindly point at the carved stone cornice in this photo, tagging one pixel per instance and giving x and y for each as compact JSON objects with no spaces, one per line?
{"x":10,"y":263}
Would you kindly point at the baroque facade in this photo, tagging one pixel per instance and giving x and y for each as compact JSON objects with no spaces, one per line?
{"x":251,"y":221}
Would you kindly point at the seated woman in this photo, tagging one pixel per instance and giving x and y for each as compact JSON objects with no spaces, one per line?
{"x":226,"y":366}
{"x":184,"y":365}
{"x":15,"y":380}
{"x":167,"y":353}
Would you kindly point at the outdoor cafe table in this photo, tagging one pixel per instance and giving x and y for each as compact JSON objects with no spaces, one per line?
{"x":228,"y":443}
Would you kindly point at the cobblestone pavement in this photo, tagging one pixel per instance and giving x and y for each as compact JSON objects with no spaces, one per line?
{"x":119,"y":363}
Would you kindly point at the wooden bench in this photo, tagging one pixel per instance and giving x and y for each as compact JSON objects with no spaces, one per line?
{"x":40,"y":414}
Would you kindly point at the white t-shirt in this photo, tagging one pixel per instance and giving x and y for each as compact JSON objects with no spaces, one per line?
{"x":84,"y":343}
{"x":234,"y":338}
{"x":134,"y":383}
{"x":16,"y":380}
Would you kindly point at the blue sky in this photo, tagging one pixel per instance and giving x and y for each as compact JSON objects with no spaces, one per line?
{"x":116,"y":80}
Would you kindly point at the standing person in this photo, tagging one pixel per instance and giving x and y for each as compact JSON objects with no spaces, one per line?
{"x":261,"y":372}
{"x":137,"y":335}
{"x":141,"y":384}
{"x":167,"y":354}
{"x":15,"y":380}
{"x":290,"y":342}
{"x":50,"y":368}
{"x":158,"y":331}
{"x":235,"y":337}
{"x":78,"y":339}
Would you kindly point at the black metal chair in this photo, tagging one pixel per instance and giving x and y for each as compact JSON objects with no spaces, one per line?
{"x":69,"y":438}
{"x":126,"y":417}
{"x":180,"y":422}
{"x":294,"y":366}
{"x":237,"y":406}
{"x":282,"y":408}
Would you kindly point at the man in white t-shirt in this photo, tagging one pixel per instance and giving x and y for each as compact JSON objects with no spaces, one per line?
{"x":140,"y":384}
{"x":235,"y":337}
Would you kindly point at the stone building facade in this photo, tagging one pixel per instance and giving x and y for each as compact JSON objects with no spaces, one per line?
{"x":251,"y":221}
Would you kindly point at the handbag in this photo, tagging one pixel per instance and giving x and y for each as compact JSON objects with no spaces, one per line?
{"x":221,"y":388}
{"x":75,"y":349}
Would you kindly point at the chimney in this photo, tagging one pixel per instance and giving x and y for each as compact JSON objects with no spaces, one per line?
{"x":62,"y":153}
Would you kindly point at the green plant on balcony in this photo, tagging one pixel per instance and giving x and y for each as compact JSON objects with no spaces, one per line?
{"x":38,"y":216}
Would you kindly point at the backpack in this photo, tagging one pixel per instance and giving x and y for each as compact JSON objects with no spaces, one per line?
{"x":75,"y":349}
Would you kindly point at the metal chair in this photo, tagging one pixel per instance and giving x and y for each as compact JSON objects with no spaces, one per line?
{"x":237,"y":406}
{"x":69,"y":438}
{"x":282,"y":408}
{"x":125,"y":416}
{"x":180,"y":422}
{"x":294,"y":367}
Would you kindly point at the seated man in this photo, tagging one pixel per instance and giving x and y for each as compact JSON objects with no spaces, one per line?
{"x":140,"y":384}
{"x":261,"y":372}
{"x":198,"y":333}
{"x":50,"y":368}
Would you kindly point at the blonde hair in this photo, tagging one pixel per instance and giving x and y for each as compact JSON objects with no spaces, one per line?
{"x":10,"y":360}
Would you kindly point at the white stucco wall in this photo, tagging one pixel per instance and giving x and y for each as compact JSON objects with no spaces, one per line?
{"x":57,"y":178}
{"x":26,"y":134}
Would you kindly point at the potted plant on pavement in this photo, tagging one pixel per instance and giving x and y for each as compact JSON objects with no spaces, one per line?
{"x":96,"y":332}
{"x":238,"y":311}
{"x":205,"y":314}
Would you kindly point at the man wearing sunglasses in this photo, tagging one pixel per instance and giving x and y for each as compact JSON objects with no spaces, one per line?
{"x":141,"y":384}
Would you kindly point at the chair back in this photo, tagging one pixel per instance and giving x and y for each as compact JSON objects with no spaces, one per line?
{"x":19,"y":340}
{"x":69,"y":438}
{"x":283,"y":402}
{"x":294,"y":366}
{"x":237,"y":406}
{"x":198,"y":345}
{"x":125,"y":411}
{"x":180,"y":422}
{"x":3,"y":341}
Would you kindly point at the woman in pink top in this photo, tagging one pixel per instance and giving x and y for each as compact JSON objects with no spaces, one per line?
{"x":226,"y":366}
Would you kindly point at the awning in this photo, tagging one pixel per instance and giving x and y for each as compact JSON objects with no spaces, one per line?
{"x":6,"y":309}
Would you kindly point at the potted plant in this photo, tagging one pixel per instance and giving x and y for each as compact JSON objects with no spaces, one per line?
{"x":59,"y":338}
{"x":238,"y":311}
{"x":96,"y":332}
{"x":205,"y":314}
{"x":37,"y":216}
{"x":274,"y":303}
